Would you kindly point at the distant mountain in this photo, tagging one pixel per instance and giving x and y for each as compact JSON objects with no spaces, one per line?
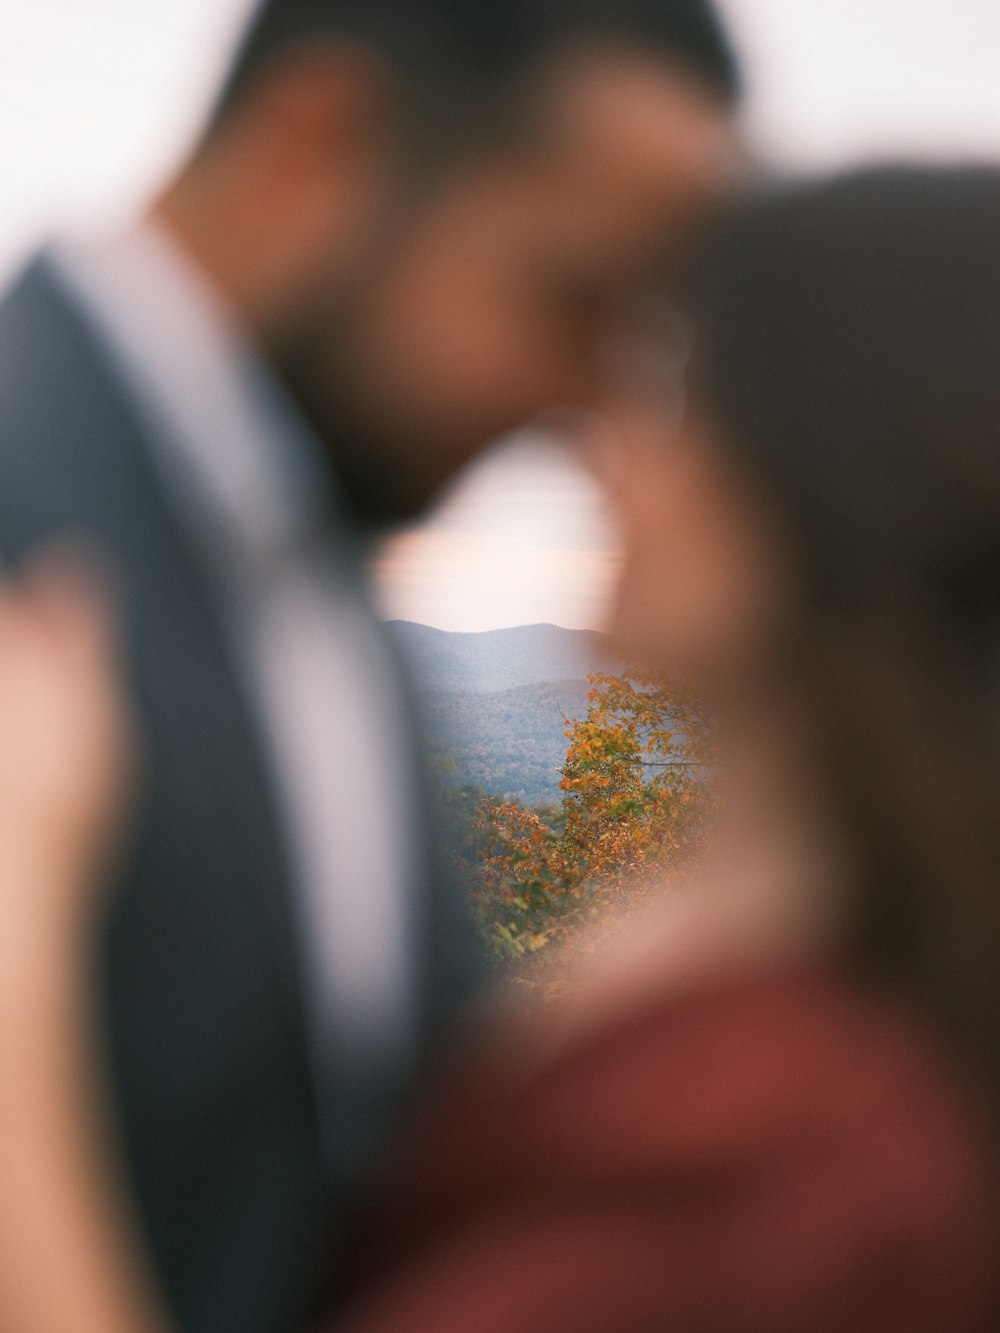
{"x":511,"y":743}
{"x":495,"y":703}
{"x":500,"y":659}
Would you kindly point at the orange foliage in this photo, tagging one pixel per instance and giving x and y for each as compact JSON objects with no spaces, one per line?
{"x":634,"y":810}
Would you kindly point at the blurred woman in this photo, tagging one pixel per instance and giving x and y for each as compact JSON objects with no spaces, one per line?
{"x":774,"y":1106}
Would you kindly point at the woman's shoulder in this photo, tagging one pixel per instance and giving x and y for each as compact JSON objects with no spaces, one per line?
{"x":777,"y":1125}
{"x":737,"y":1059}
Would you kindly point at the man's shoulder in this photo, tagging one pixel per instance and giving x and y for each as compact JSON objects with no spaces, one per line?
{"x":68,"y":433}
{"x":55,"y":381}
{"x":43,"y":335}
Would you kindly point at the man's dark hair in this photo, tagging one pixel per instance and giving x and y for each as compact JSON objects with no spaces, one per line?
{"x":467,"y":49}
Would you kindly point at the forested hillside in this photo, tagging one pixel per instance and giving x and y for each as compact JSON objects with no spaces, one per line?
{"x":497,"y":704}
{"x":511,"y":743}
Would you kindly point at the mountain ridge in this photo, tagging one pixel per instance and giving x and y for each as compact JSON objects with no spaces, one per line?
{"x":496,"y":702}
{"x":488,"y":661}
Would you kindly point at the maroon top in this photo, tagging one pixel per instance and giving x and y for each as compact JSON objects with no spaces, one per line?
{"x":778,"y":1151}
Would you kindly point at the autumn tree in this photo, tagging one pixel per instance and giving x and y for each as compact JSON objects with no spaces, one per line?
{"x":634,"y":811}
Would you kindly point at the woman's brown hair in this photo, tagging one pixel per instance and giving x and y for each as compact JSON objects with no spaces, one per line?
{"x":849,"y":349}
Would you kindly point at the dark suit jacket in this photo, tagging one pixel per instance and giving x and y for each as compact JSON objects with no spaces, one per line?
{"x":775,"y":1151}
{"x":199,"y":962}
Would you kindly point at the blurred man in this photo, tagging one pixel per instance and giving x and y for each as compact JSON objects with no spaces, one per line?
{"x":411,"y":225}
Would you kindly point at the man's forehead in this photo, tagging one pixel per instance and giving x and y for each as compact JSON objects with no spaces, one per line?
{"x":621,"y":141}
{"x":628,"y":151}
{"x":620,"y":103}
{"x":636,"y":151}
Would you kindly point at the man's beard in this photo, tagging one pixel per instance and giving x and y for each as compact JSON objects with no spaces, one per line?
{"x":384,"y":478}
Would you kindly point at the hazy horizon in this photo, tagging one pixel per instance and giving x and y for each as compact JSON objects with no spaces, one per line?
{"x":496,"y":629}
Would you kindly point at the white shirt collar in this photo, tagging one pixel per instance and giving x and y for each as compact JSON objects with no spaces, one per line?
{"x":240,"y":453}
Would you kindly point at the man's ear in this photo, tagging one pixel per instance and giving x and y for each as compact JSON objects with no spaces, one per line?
{"x":329,"y":106}
{"x":288,"y":185}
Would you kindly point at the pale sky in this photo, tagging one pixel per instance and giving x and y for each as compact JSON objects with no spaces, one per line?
{"x":99,"y":97}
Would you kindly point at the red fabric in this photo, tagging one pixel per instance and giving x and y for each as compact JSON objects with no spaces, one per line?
{"x":779,"y":1152}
